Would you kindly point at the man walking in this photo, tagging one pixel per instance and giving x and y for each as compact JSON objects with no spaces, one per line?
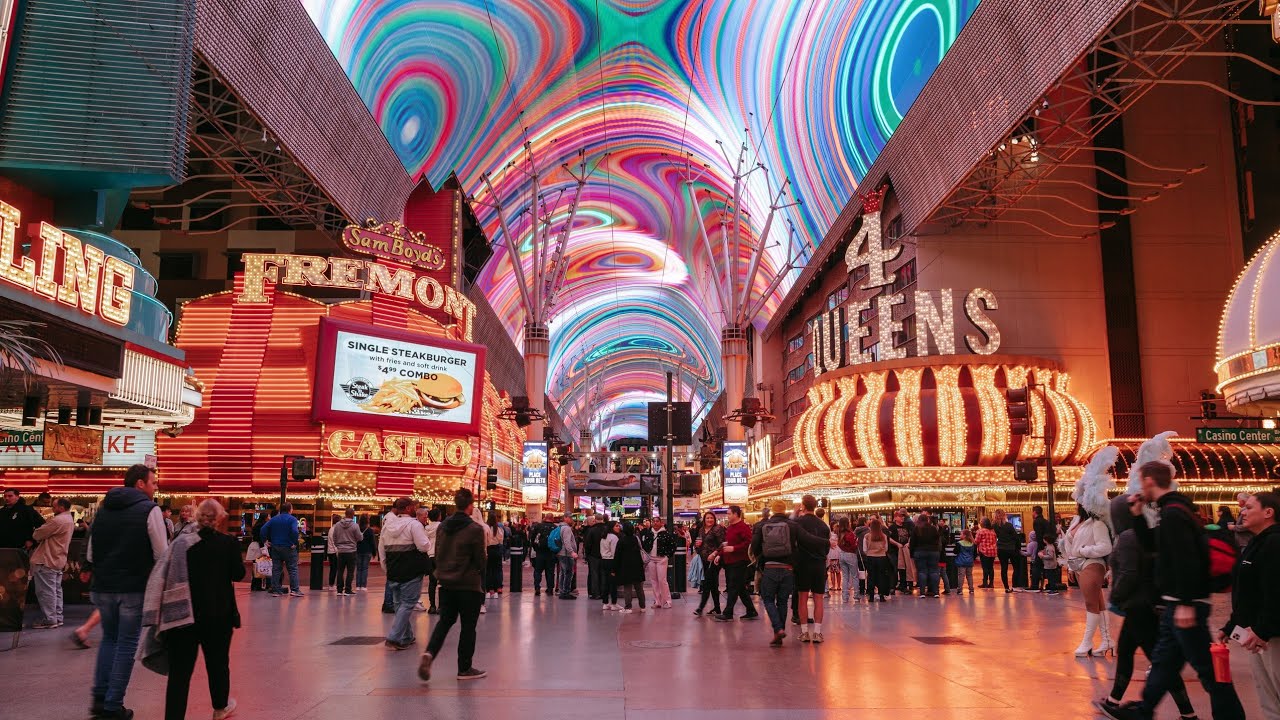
{"x":544,"y":561}
{"x":432,"y":526}
{"x":281,"y":536}
{"x":1255,"y":598}
{"x":811,"y":570}
{"x":18,"y":521}
{"x":460,"y":562}
{"x":403,"y":552}
{"x":779,"y":544}
{"x":49,"y":561}
{"x":346,"y":537}
{"x":127,"y":537}
{"x":737,"y":542}
{"x":1182,"y":581}
{"x":567,"y":557}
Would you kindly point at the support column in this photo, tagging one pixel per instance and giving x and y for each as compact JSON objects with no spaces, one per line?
{"x":536,"y":349}
{"x":733,"y":354}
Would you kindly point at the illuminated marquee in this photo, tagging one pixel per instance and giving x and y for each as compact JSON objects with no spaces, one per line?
{"x":74,"y":274}
{"x":394,"y":242}
{"x":352,"y":274}
{"x":409,"y":449}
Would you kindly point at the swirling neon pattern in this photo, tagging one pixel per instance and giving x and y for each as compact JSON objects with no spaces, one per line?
{"x":459,"y":86}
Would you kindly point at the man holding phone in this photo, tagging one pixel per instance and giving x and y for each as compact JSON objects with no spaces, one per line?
{"x":1255,"y":598}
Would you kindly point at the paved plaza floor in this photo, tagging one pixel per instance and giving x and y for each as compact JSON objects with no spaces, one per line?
{"x":990,"y":655}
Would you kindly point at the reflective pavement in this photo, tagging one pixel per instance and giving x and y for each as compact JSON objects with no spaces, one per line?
{"x":991,"y":655}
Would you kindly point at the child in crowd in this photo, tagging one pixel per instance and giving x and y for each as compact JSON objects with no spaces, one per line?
{"x":1048,"y":555}
{"x":1032,"y":554}
{"x":966,"y":553}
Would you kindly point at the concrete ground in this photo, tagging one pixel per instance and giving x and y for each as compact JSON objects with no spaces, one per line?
{"x":990,"y":655}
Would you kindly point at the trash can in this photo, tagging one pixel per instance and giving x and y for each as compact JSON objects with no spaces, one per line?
{"x":318,"y":544}
{"x":516,"y":583}
{"x":677,"y":572}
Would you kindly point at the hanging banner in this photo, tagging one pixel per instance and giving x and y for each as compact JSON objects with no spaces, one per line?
{"x":735,"y":466}
{"x":72,"y":443}
{"x":116,"y":449}
{"x":534,"y":473}
{"x":614,"y":483}
{"x":388,"y":378}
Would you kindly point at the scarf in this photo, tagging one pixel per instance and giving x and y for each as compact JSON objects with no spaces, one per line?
{"x":167,"y":603}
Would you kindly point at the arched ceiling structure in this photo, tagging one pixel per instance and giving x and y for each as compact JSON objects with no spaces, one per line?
{"x":646,"y":89}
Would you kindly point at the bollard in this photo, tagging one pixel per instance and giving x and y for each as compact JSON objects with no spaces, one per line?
{"x":318,"y":545}
{"x":515,"y":584}
{"x":676,"y":573}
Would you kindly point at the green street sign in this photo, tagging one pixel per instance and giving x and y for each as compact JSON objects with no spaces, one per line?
{"x":1240,"y":436}
{"x":21,"y":438}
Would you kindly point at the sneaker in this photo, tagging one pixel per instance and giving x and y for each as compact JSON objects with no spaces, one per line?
{"x":777,"y":638}
{"x":296,"y":593}
{"x":424,"y":667}
{"x":568,"y":597}
{"x":419,"y":607}
{"x":666,"y":605}
{"x":645,"y":610}
{"x":227,"y":711}
{"x":79,"y":640}
{"x":483,"y":610}
{"x":1127,"y":711}
{"x":816,"y":637}
{"x":804,"y":636}
{"x":752,"y":616}
{"x":388,"y":610}
{"x":274,"y":594}
{"x":626,"y":611}
{"x":123,"y":713}
{"x":697,"y":613}
{"x":472,"y":674}
{"x":362,"y":589}
{"x":1053,"y":592}
{"x":722,"y":618}
{"x":393,"y":645}
{"x":46,"y":625}
{"x":970,"y":591}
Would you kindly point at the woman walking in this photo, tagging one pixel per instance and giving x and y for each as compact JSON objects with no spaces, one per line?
{"x":630,"y":568}
{"x":875,"y":546}
{"x":365,"y":549}
{"x":1086,"y":547}
{"x":710,"y":538}
{"x":609,"y":568}
{"x":213,"y":564}
{"x":847,"y":545}
{"x":986,"y":541}
{"x":493,"y":549}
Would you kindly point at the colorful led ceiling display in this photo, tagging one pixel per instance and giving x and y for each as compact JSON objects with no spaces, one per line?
{"x":647,"y":89}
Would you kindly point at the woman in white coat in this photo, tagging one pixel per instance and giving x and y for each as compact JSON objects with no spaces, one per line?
{"x":1086,"y":546}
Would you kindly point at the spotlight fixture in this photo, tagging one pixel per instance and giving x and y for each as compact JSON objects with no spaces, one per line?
{"x":751,"y":412}
{"x":520,"y":411}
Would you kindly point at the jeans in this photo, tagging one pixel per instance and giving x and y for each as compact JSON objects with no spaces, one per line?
{"x":1176,"y":647}
{"x":609,"y":581}
{"x":454,"y":604}
{"x":1266,"y":675}
{"x":388,"y":597}
{"x":656,"y":570}
{"x":965,"y":574}
{"x":183,"y":644}
{"x":565,"y":577}
{"x":927,"y":571}
{"x":710,"y":587}
{"x":346,"y":571}
{"x":48,"y":582}
{"x":848,"y":573}
{"x":735,"y":582}
{"x":776,"y":586}
{"x":1007,"y":558}
{"x":121,"y":626}
{"x":594,"y":584}
{"x":405,"y":595}
{"x":544,"y":565}
{"x":282,"y":557}
{"x":362,"y":569}
{"x":988,"y":570}
{"x":1140,"y":628}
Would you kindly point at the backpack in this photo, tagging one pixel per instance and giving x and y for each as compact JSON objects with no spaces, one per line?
{"x":777,"y":540}
{"x":553,"y":540}
{"x":1223,"y":552}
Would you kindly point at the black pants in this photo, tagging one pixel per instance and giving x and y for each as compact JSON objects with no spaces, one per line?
{"x":608,"y":581}
{"x":879,"y":576}
{"x":346,"y":571}
{"x":454,"y":604}
{"x":493,"y":570}
{"x":544,"y":564}
{"x":182,"y":644}
{"x":595,"y":576}
{"x":1007,"y":558}
{"x":988,"y":571}
{"x":1176,"y":647}
{"x":1141,"y":625}
{"x":432,"y":583}
{"x":333,"y":569}
{"x":735,"y":581}
{"x":710,"y":587}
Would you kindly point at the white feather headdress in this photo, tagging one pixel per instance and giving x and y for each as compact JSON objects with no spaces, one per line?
{"x":1157,"y":449}
{"x":1091,"y":489}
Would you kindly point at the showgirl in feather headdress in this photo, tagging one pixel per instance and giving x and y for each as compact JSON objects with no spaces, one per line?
{"x":1088,"y":543}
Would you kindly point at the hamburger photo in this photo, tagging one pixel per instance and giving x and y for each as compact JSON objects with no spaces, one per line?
{"x":440,"y":391}
{"x":437,"y":392}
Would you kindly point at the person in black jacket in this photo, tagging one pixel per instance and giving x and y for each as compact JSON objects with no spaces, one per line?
{"x":1133,"y":596}
{"x":629,"y":568}
{"x":1007,"y":547}
{"x":1182,"y":581}
{"x":779,"y":552}
{"x":18,"y":521}
{"x":213,"y":564}
{"x":591,"y":537}
{"x":1255,"y":598}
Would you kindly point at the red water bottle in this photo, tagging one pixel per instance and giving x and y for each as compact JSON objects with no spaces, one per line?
{"x":1221,"y":662}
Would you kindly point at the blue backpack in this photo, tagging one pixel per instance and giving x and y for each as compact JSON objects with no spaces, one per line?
{"x":553,"y":540}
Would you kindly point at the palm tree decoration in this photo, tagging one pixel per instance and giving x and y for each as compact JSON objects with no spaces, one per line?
{"x":21,"y":348}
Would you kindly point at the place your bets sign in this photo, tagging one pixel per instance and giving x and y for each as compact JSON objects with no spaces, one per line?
{"x":533,"y":472}
{"x":735,"y":467}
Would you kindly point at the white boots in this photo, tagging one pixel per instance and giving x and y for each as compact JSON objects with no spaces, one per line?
{"x":1092,"y":621}
{"x":1106,"y":646}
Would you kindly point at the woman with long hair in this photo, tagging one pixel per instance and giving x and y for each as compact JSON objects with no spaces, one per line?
{"x":1086,"y":547}
{"x":213,"y":564}
{"x":629,"y":567}
{"x":847,"y":545}
{"x":875,"y":546}
{"x":609,"y":567}
{"x":985,"y":539}
{"x":493,"y":555}
{"x":710,"y":538}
